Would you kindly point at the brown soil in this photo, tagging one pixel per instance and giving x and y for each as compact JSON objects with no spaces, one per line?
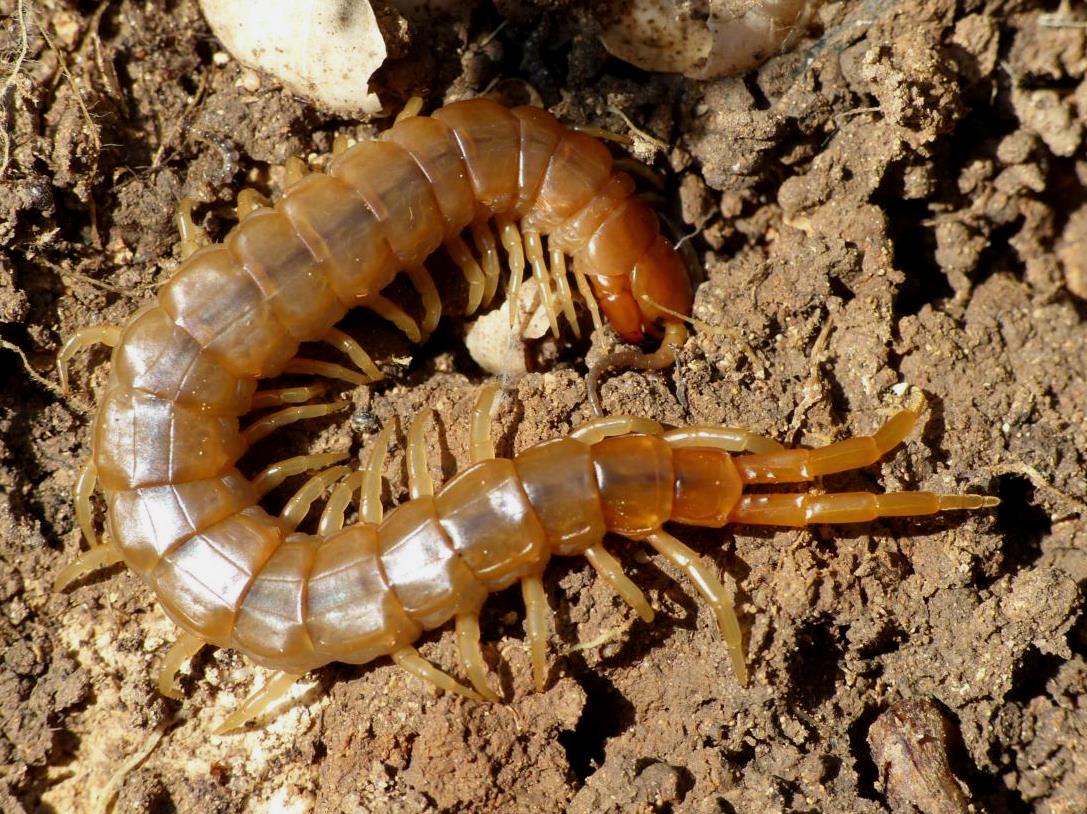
{"x":900,"y":201}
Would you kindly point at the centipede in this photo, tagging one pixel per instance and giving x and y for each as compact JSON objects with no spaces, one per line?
{"x":167,"y":435}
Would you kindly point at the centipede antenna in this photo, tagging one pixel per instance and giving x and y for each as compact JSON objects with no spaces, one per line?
{"x":675,"y":334}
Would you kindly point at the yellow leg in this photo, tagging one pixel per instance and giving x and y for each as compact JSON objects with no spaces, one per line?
{"x":278,"y":397}
{"x":484,"y":239}
{"x":411,"y":108}
{"x":186,"y":646}
{"x":95,"y":335}
{"x":473,"y":274}
{"x":537,"y":613}
{"x":350,"y":347}
{"x":409,"y":659}
{"x":81,"y":496}
{"x":565,"y":295}
{"x":600,"y":428}
{"x":100,"y":556}
{"x":266,"y":425}
{"x":341,"y":143}
{"x":420,"y":484}
{"x":730,"y":439}
{"x":192,"y":236}
{"x":274,"y":475}
{"x":249,"y":201}
{"x":687,"y":561}
{"x":296,"y":509}
{"x":609,"y":569}
{"x":332,"y":518}
{"x":534,"y":251}
{"x":330,"y":370}
{"x":370,"y":509}
{"x":423,"y":283}
{"x":391,"y":312}
{"x":589,"y":298}
{"x":295,"y":169}
{"x":279,"y":684}
{"x":482,"y":446}
{"x":471,"y":656}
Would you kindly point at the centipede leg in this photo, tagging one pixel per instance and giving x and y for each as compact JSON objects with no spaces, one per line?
{"x":332,"y":518}
{"x":281,"y":396}
{"x":537,"y":613}
{"x":609,"y":569}
{"x":484,"y":239}
{"x":184,"y":648}
{"x":249,"y":201}
{"x":473,"y":275}
{"x":81,"y":497}
{"x":409,"y":659}
{"x":796,"y":510}
{"x":296,"y":509}
{"x":349,"y":346}
{"x":277,"y":686}
{"x":420,"y":484}
{"x":192,"y":237}
{"x":410,"y":109}
{"x":85,"y":337}
{"x":598,"y":429}
{"x":729,"y":439}
{"x":295,"y":169}
{"x":534,"y":251}
{"x":424,"y":286}
{"x":687,"y":560}
{"x":100,"y":556}
{"x":481,"y":444}
{"x":391,"y":312}
{"x":370,"y":508}
{"x":797,"y":465}
{"x":329,"y":370}
{"x":265,"y":425}
{"x":272,"y":476}
{"x":565,"y":295}
{"x":471,"y":655}
{"x":588,"y":298}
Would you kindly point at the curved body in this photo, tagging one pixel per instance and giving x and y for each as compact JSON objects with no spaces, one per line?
{"x":166,"y":435}
{"x":185,"y":369}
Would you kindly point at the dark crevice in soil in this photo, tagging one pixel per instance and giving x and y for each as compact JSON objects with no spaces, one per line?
{"x":609,"y":714}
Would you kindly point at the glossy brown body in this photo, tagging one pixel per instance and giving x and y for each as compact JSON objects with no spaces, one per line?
{"x":167,"y":437}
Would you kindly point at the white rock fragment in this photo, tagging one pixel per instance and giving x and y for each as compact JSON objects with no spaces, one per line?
{"x":326,"y":50}
{"x":704,"y":39}
{"x":500,"y":349}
